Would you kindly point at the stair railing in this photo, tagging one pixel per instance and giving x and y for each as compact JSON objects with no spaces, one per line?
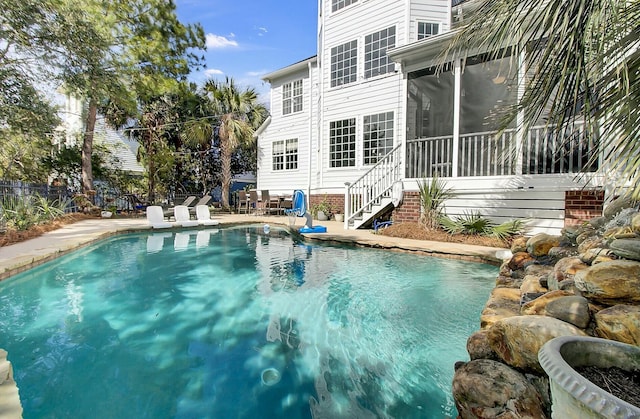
{"x":375,"y":184}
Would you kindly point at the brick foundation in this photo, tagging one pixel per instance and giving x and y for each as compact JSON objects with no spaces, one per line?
{"x":582,"y":205}
{"x":409,"y":210}
{"x":335,"y":200}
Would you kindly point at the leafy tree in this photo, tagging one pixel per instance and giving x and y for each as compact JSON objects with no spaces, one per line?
{"x":583,"y":60}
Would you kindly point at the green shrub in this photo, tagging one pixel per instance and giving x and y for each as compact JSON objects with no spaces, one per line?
{"x":23,"y":212}
{"x":432,"y":197}
{"x":508,"y":229}
{"x":473,"y":223}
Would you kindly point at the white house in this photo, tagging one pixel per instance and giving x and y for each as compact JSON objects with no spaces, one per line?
{"x":365,"y":120}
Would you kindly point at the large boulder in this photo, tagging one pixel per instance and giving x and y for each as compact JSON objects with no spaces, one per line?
{"x":539,"y":305}
{"x":478,"y":346}
{"x":620,"y":322}
{"x":540,"y":244}
{"x":572,"y":309}
{"x":610,"y":283}
{"x":530,"y":284}
{"x":503,"y":303}
{"x":565,"y":269}
{"x":626,"y":248}
{"x":488,"y":389}
{"x":517,"y":340}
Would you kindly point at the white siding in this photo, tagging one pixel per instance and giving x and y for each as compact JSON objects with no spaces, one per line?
{"x":433,"y":11}
{"x":298,"y":125}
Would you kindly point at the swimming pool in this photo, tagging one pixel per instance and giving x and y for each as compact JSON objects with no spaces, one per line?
{"x":238,"y":323}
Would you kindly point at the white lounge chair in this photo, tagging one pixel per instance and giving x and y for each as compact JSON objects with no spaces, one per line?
{"x":181,"y":214}
{"x":155,"y":217}
{"x":204,"y":216}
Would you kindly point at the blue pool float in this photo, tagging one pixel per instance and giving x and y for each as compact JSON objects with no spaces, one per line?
{"x":314,"y":229}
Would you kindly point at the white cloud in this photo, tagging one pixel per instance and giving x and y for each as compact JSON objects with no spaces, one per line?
{"x":219,"y":41}
{"x":210,"y":72}
{"x":258,"y":73}
{"x":262,"y":31}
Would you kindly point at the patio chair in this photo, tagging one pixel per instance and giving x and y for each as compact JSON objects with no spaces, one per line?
{"x":203,"y":201}
{"x":155,"y":217}
{"x":137,"y":205}
{"x":182,"y":216}
{"x":254,"y":201}
{"x":204,"y":216}
{"x":188,"y":202}
{"x":269,"y":203}
{"x":243,"y":202}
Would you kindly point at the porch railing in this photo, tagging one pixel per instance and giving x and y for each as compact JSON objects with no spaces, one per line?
{"x":367,"y":191}
{"x":488,"y":154}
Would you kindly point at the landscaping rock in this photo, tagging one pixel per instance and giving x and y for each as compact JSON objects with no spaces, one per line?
{"x":531,"y":283}
{"x":478,"y":346}
{"x":520,"y":260}
{"x":538,"y":270}
{"x":488,"y":389}
{"x":540,"y":244}
{"x":538,"y":306}
{"x":635,"y":223}
{"x":502,"y":303}
{"x":590,"y":243}
{"x":519,"y":244}
{"x":620,"y":322}
{"x":572,"y":309}
{"x":610,"y":283}
{"x":517,"y":340}
{"x":595,"y":253}
{"x":626,"y":248}
{"x":565,"y":268}
{"x":563,"y":252}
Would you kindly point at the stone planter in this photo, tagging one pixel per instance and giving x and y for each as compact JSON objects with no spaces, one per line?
{"x":322,"y":216}
{"x":573,"y":396}
{"x":339,"y":217}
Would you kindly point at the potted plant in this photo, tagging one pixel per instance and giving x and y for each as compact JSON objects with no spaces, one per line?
{"x":338,"y":216}
{"x":321,"y":210}
{"x":565,"y":359}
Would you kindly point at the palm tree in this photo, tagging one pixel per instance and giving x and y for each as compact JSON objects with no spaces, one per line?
{"x":239,"y":114}
{"x":582,"y":59}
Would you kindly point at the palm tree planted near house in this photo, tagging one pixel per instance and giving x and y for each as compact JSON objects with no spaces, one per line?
{"x":239,"y":114}
{"x":582,"y":61}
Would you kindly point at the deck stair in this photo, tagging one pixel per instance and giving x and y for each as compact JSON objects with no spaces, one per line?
{"x":374,"y":192}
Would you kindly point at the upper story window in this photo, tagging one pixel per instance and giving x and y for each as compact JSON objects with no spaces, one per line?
{"x":284,"y":154}
{"x":427,"y":29}
{"x":340,"y":4}
{"x":378,"y":136}
{"x":342,"y":143}
{"x":292,"y":97}
{"x":344,"y":63}
{"x":375,"y":52}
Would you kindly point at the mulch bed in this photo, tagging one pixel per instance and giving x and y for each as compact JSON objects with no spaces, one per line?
{"x":418,"y":232}
{"x":11,"y":236}
{"x":623,"y":384}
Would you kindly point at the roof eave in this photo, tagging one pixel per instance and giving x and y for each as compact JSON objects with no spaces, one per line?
{"x":293,"y":68}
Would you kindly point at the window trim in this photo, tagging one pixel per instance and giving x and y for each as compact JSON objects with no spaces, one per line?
{"x":335,"y":5}
{"x":385,"y":65}
{"x":352,"y":143}
{"x":287,"y":159}
{"x":293,"y":97}
{"x":428,"y":22}
{"x":391,"y":118}
{"x":334,"y":54}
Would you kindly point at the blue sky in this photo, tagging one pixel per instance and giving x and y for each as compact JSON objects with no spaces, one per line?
{"x":247,"y":39}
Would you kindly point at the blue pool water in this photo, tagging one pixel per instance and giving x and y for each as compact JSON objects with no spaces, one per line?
{"x":233,"y":323}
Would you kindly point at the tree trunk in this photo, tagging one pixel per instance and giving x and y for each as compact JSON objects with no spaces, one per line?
{"x":87,"y":147}
{"x":225,"y":161}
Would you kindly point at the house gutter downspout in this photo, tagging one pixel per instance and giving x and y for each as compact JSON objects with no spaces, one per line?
{"x":310,"y":130}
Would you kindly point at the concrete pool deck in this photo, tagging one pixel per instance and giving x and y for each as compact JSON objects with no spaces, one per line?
{"x":25,"y":255}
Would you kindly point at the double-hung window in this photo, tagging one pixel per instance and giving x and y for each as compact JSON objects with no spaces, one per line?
{"x":378,"y":136}
{"x":285,"y":154}
{"x":376,"y":44}
{"x":292,"y":97}
{"x":344,"y":63}
{"x":427,"y":29}
{"x":342,"y":143}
